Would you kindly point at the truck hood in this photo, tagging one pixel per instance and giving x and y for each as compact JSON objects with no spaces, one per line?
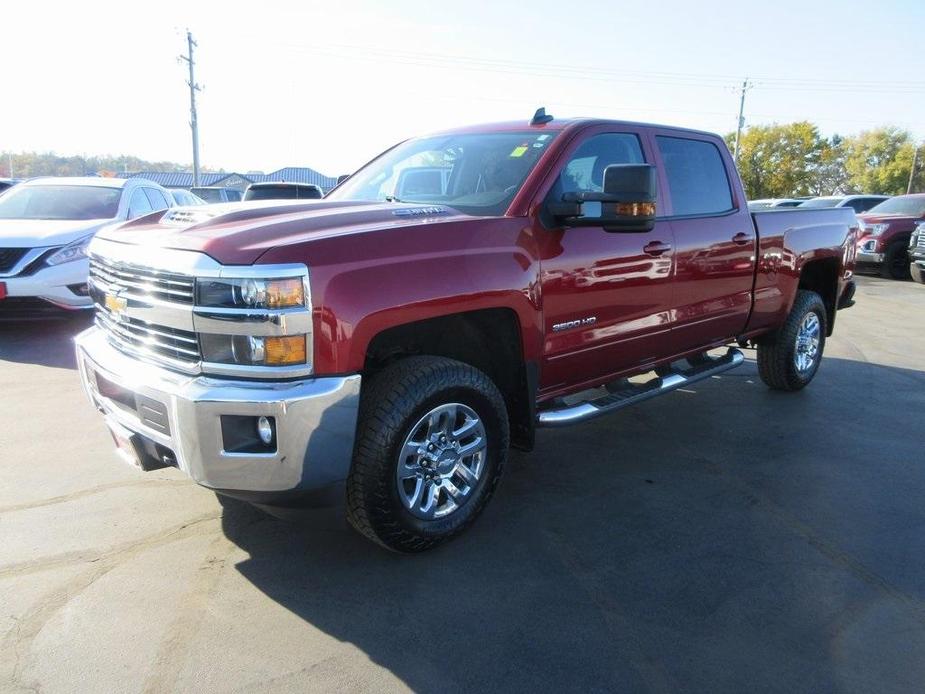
{"x":238,"y":234}
{"x":37,"y":233}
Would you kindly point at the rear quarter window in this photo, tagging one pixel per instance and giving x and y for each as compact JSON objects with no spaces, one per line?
{"x":697,"y":178}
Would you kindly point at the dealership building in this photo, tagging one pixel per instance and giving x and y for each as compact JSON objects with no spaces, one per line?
{"x":238,"y":181}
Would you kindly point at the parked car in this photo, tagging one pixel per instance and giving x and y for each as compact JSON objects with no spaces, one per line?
{"x":917,"y":253}
{"x":885,"y":230}
{"x":387,"y":353}
{"x":7,"y":183}
{"x":45,"y":227}
{"x":215,"y":194}
{"x":184,"y":198}
{"x":858,"y":203}
{"x":283,"y":191}
{"x":773,"y":203}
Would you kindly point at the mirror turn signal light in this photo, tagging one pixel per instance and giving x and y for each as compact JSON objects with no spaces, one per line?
{"x":636,"y":209}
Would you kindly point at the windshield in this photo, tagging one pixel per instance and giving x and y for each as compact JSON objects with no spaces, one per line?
{"x":908,"y":205}
{"x":821,"y":202}
{"x":60,"y":202}
{"x":282,"y":193}
{"x":477,"y":174}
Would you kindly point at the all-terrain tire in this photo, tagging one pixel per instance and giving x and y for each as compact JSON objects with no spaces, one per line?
{"x":393,"y":401}
{"x":917,"y":273}
{"x":895,"y":262}
{"x":777,"y":353}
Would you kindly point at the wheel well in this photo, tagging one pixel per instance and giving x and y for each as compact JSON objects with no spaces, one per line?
{"x":487,"y":339}
{"x":821,"y":276}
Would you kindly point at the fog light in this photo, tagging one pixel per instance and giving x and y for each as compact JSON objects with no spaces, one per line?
{"x":265,"y":430}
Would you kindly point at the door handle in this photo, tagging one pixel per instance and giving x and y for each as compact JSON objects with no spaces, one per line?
{"x":656,"y":248}
{"x":742,"y":239}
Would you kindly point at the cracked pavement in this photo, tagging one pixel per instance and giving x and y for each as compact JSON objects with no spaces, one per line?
{"x":723,"y":539}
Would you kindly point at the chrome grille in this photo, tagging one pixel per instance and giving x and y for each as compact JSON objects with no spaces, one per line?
{"x":920,"y":243}
{"x":137,"y":282}
{"x":178,"y":348}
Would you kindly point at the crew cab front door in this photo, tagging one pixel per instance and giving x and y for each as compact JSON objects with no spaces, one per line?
{"x":606,"y":296}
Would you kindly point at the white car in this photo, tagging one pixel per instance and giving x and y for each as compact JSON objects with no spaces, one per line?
{"x":45,"y":227}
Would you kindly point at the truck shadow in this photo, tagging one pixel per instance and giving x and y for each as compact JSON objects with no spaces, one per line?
{"x":704,"y":541}
{"x":44,"y":343}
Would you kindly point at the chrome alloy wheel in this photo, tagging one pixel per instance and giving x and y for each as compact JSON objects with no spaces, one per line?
{"x":441,"y":461}
{"x":807,"y":344}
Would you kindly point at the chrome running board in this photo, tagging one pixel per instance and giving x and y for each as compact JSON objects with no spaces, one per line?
{"x":631,"y":394}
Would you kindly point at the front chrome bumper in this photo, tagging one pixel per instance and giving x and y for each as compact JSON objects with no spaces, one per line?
{"x":315,"y":420}
{"x":871,"y":258}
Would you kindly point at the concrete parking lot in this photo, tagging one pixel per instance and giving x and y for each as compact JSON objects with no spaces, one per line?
{"x":721,"y":539}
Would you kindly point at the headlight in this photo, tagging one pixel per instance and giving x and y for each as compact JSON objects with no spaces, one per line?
{"x":250,"y":293}
{"x":250,"y":350}
{"x":877,"y":229}
{"x":76,"y":250}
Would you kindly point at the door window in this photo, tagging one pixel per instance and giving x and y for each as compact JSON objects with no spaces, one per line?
{"x":139,"y":204}
{"x":157,"y":199}
{"x":696,"y":176}
{"x":585,"y":170}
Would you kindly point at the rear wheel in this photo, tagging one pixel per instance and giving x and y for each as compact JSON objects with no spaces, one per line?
{"x":789,"y":359}
{"x":895,"y":262}
{"x":431,"y":445}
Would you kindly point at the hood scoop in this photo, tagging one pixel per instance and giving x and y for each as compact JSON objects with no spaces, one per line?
{"x":186,"y":216}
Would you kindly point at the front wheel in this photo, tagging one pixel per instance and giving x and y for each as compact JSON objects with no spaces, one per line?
{"x":917,"y":273}
{"x":431,"y":445}
{"x":789,"y":359}
{"x":895,"y":262}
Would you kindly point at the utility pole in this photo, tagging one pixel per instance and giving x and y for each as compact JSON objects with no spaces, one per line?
{"x":193,"y":88}
{"x":745,"y":87}
{"x":915,"y":160}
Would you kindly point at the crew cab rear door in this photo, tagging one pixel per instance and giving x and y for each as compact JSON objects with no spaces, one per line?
{"x":715,"y":239}
{"x":606,"y":295}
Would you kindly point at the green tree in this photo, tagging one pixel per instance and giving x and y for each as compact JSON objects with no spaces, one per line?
{"x":777,"y":161}
{"x":28,"y":164}
{"x":879,"y":161}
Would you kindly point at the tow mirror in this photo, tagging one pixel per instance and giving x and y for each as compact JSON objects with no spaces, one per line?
{"x":627,"y":202}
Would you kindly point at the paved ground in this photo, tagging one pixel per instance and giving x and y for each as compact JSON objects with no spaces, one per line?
{"x":727,"y":539}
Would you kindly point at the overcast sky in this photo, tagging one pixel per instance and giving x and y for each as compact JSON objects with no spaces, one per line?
{"x":330,"y":84}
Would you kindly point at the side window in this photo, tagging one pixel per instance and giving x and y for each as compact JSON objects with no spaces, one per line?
{"x":139,"y":204}
{"x":696,"y":176}
{"x":585,"y":170}
{"x":157,"y":199}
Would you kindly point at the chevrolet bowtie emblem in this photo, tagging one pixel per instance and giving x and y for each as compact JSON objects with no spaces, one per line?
{"x":116,"y":304}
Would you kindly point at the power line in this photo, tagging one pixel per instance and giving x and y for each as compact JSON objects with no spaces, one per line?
{"x":419,"y":59}
{"x":193,"y":88}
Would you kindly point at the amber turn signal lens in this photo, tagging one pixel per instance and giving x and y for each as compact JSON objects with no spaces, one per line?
{"x":636,"y":209}
{"x":284,"y":293}
{"x":284,"y":350}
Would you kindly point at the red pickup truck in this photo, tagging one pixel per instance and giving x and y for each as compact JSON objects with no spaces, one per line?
{"x":386,"y":346}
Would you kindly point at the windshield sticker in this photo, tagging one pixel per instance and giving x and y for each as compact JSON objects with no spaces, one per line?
{"x":519,"y":151}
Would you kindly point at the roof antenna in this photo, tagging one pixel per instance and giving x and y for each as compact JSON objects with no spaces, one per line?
{"x":540,"y":117}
